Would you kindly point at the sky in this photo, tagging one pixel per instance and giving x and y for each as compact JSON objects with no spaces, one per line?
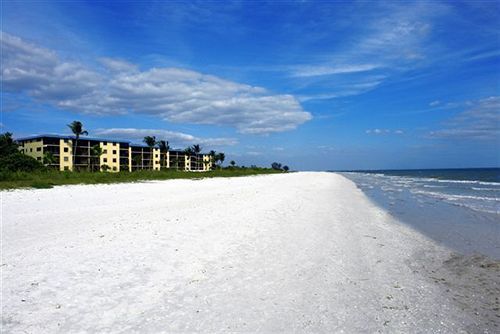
{"x":315,"y":85}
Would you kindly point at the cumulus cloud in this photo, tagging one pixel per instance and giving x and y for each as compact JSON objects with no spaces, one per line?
{"x":38,"y":71}
{"x":480,"y":122}
{"x":384,"y":131}
{"x":175,"y":138}
{"x":118,"y":87}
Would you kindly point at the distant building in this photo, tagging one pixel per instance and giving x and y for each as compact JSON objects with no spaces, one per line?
{"x":117,"y":155}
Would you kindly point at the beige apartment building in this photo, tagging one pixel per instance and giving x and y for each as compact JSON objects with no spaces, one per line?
{"x":115,"y":155}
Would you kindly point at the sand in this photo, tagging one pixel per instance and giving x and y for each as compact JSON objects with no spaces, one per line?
{"x":298,"y":252}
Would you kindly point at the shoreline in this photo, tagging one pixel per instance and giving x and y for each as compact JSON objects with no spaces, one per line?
{"x":287,"y":252}
{"x":463,"y":229}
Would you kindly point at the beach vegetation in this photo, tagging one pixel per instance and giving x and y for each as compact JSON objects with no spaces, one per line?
{"x":12,"y":160}
{"x":48,"y":158}
{"x":95,"y":152}
{"x":276,"y":166}
{"x":280,"y":167}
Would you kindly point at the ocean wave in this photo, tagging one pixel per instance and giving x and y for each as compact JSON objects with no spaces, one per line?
{"x":468,"y":182}
{"x":486,"y":189}
{"x":455,"y":197}
{"x":476,"y":208}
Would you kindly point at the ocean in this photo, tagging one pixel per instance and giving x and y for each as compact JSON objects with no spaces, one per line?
{"x":457,"y":207}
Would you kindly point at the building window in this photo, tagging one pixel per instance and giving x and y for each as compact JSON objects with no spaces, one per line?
{"x":105,"y":143}
{"x":66,"y":168}
{"x":31,"y":150}
{"x":66,"y":149}
{"x":114,"y":144}
{"x":38,"y":149}
{"x":66,"y":159}
{"x":114,"y":168}
{"x":114,"y":151}
{"x":114,"y":159}
{"x":105,"y":152}
{"x":105,"y":160}
{"x":38,"y":158}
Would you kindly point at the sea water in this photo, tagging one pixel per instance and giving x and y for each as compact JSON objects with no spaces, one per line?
{"x":458,"y":207}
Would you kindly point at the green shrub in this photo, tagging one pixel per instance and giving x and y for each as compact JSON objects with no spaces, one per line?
{"x":18,"y":162}
{"x":40,"y":185}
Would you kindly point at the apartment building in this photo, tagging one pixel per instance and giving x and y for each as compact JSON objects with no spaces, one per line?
{"x":97,"y":154}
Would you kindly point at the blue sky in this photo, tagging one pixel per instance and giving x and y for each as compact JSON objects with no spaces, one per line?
{"x":315,"y":85}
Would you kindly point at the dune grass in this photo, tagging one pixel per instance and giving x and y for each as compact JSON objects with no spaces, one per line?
{"x":48,"y":179}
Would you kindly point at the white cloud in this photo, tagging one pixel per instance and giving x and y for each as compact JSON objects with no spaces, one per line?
{"x":384,"y":131}
{"x":174,"y":138}
{"x":396,"y":40}
{"x":434,"y":103}
{"x":118,"y":87}
{"x":480,"y":122}
{"x":118,"y":65}
{"x":253,"y":153}
{"x":309,"y":71}
{"x":344,"y":90}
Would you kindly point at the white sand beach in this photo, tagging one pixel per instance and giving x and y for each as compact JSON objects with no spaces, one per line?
{"x":297,"y":252}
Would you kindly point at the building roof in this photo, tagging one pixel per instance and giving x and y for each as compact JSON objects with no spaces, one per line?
{"x":70,"y":137}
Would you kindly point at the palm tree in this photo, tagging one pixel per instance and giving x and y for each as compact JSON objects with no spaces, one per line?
{"x":196,"y":151}
{"x":220,"y":157}
{"x":175,"y":163}
{"x":95,"y":153}
{"x":164,"y":147}
{"x":232,"y":163}
{"x":77,"y":129}
{"x":48,"y":158}
{"x":151,"y":142}
{"x":137,"y":160}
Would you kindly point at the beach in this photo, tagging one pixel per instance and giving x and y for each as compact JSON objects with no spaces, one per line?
{"x":292,"y":252}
